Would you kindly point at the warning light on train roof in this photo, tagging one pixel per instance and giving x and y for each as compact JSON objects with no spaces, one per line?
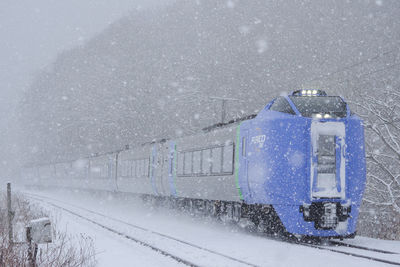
{"x":309,"y":92}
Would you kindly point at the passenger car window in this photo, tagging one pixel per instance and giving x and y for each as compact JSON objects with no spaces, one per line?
{"x":141,"y":162}
{"x":138,"y":168}
{"x":180,"y":163}
{"x":197,"y":162}
{"x":282,"y":105}
{"x":216,"y":159}
{"x":146,"y":167}
{"x":132,"y":168}
{"x":227,"y":163}
{"x":188,"y":163}
{"x":206,"y":160}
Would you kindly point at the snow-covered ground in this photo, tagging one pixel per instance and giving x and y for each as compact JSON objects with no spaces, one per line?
{"x":226,"y":241}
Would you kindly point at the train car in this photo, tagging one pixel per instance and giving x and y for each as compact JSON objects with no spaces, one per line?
{"x":135,"y":170}
{"x":298,"y":168}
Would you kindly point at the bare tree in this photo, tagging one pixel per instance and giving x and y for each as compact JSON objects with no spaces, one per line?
{"x":381,"y":113}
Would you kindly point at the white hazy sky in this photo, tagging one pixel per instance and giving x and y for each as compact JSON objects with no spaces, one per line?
{"x":33,"y":32}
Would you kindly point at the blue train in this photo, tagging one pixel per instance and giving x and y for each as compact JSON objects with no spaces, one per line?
{"x":297,"y":167}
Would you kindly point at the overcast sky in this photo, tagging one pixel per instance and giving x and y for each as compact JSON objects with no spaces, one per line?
{"x":33,"y":32}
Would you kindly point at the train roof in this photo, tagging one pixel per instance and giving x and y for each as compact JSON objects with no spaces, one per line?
{"x":220,"y":124}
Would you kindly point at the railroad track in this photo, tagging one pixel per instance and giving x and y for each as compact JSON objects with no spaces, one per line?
{"x":137,"y":240}
{"x":332,"y":246}
{"x":361,"y":249}
{"x":342,"y":244}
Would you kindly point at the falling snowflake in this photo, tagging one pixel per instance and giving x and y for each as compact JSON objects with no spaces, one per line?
{"x":262,"y":46}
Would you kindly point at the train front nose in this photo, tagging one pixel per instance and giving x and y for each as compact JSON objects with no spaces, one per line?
{"x":327,"y":176}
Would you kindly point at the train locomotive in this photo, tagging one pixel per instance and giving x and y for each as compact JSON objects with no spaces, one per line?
{"x":297,"y":167}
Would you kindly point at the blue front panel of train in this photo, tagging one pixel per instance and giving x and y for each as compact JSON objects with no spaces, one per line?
{"x":355,"y":168}
{"x":278,"y":146}
{"x":355,"y":183}
{"x":278,"y":163}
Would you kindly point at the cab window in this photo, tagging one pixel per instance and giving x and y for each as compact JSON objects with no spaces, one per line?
{"x":282,"y":105}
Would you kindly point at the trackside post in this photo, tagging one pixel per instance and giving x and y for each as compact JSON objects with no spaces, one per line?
{"x":10,"y":215}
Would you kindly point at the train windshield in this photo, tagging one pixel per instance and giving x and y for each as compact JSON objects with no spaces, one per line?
{"x":311,"y":105}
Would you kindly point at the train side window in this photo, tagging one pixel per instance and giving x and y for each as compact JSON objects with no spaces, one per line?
{"x":188,"y":163}
{"x":121,"y":170}
{"x":197,"y":162}
{"x":216,"y":160}
{"x":282,"y":105}
{"x":125,"y":168}
{"x":101,"y":173}
{"x":205,"y":161}
{"x":132,"y":172}
{"x":138,"y":169}
{"x":146,"y":166}
{"x":180,"y":163}
{"x":142,"y":162}
{"x":227,"y":156}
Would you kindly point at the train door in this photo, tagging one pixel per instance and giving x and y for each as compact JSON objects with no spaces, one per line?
{"x":328,"y":164}
{"x":153,"y":169}
{"x":110,"y":173}
{"x":171,"y":168}
{"x":165,"y":170}
{"x":244,"y":164}
{"x":115,"y":173}
{"x":159,"y":169}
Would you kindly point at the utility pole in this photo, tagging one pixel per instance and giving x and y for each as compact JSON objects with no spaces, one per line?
{"x":9,"y":215}
{"x":223,"y":111}
{"x":224,"y":101}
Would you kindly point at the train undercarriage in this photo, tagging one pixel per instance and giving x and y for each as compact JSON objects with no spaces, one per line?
{"x":262,"y":217}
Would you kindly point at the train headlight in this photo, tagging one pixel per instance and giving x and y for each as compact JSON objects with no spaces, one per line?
{"x":346,"y":209}
{"x":305,"y":209}
{"x":327,"y":116}
{"x":318,"y":116}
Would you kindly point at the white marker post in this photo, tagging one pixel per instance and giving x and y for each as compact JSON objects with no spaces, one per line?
{"x":37,"y":232}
